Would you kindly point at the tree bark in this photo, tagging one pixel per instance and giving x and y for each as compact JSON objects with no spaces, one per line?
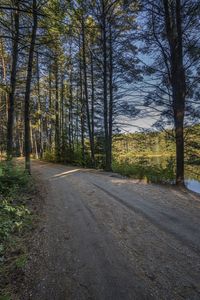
{"x":50,"y":111}
{"x":71,"y":121}
{"x":57,"y":131}
{"x":28,"y":90}
{"x":11,"y":100}
{"x":105,"y":94}
{"x":92,"y":103}
{"x":111,"y":98}
{"x":86,"y":93}
{"x":40,"y":148}
{"x":82,"y":118}
{"x":173,"y":25}
{"x":62,"y":108}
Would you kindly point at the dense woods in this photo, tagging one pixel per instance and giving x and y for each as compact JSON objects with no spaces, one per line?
{"x":72,"y":71}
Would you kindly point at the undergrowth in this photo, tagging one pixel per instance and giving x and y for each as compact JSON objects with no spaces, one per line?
{"x":16,"y":220}
{"x":144,"y":170}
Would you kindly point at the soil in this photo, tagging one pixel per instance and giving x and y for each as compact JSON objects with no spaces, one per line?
{"x":105,"y":237}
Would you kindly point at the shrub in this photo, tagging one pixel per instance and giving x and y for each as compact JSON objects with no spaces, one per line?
{"x":12,"y":217}
{"x":145,"y":170}
{"x":49,"y":156}
{"x":12,"y":179}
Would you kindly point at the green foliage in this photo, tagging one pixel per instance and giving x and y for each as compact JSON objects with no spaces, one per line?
{"x":12,"y":179}
{"x":193,"y":145}
{"x":15,"y":221}
{"x":146,"y":170}
{"x":144,"y":144}
{"x":100,"y":161}
{"x":69,"y":156}
{"x":12,"y":218}
{"x":5,"y":297}
{"x":151,"y":155}
{"x":21,"y":261}
{"x":49,"y":156}
{"x":76,"y":157}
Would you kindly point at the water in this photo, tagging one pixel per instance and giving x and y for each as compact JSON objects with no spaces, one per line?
{"x":192,"y":172}
{"x":193,"y":185}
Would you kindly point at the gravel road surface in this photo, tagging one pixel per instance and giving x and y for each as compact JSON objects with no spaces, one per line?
{"x":105,"y":237}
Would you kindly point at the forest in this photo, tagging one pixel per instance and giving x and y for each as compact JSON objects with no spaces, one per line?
{"x":100,"y":104}
{"x":71,"y":71}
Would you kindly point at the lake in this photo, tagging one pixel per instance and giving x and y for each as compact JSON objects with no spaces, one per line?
{"x":193,"y":185}
{"x":192,"y":172}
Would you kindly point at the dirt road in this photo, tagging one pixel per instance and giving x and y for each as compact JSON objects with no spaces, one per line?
{"x":108,"y":238}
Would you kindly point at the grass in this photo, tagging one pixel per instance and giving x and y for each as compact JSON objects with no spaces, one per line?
{"x":16,"y":222}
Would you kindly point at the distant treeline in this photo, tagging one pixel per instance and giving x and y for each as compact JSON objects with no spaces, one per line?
{"x":157,"y":143}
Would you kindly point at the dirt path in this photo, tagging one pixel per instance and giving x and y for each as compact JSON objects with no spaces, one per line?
{"x":108,"y":238}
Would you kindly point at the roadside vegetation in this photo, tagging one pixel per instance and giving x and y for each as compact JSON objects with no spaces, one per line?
{"x":148,"y":156}
{"x":151,"y":155}
{"x":16,"y":223}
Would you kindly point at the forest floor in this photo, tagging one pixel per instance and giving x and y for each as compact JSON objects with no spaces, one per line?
{"x":105,"y":237}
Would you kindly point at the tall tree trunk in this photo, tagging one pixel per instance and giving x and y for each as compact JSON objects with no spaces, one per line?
{"x":111,"y":97}
{"x":105,"y":94}
{"x":173,"y":24}
{"x":77,"y":117}
{"x":28,"y":90}
{"x":57,"y":131}
{"x":82,"y":117}
{"x":4,"y":72}
{"x":62,"y":115}
{"x":50,"y":111}
{"x":92,"y":101}
{"x":11,"y":101}
{"x":3,"y":97}
{"x":86,"y":92}
{"x":71,"y":133}
{"x":3,"y":61}
{"x":40,"y":148}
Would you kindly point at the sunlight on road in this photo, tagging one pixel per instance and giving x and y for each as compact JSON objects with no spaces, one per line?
{"x":129,"y":181}
{"x":64,"y":174}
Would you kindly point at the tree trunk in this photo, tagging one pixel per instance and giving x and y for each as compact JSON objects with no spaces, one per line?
{"x":86,"y":93}
{"x":111,"y":99}
{"x":11,"y":101}
{"x":71,"y":121}
{"x":28,"y":90}
{"x":57,"y":131}
{"x":92,"y":103}
{"x":77,"y":117}
{"x":62,"y":112}
{"x":82,"y":118}
{"x":50,"y":111}
{"x":105,"y":94}
{"x":40,"y":148}
{"x":173,"y":24}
